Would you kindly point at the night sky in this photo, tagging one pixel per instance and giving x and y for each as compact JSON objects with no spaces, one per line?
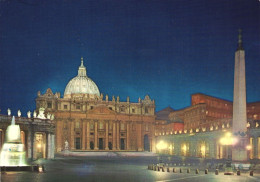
{"x":166,"y":49}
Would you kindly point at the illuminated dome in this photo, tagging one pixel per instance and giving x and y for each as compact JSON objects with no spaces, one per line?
{"x":81,"y":84}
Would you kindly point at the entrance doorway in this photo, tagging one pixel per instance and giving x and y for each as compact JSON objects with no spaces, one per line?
{"x":100,"y":144}
{"x":92,"y":145}
{"x":110,"y":145}
{"x":122,"y":144}
{"x":77,"y":143}
{"x":146,"y":143}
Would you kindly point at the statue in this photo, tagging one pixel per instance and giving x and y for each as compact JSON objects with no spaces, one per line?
{"x":113,"y":98}
{"x":34,"y":114}
{"x":19,"y":113}
{"x":66,"y":147}
{"x":41,"y":113}
{"x":117,"y":99}
{"x":127,"y":99}
{"x":139,"y":100}
{"x":29,"y":114}
{"x":48,"y":116}
{"x":9,"y":112}
{"x":106,"y":97}
{"x":101,"y":96}
{"x":52,"y":117}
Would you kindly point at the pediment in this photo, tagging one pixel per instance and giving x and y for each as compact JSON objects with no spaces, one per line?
{"x":101,"y":110}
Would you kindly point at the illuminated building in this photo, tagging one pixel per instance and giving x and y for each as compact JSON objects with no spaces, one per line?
{"x":90,"y":121}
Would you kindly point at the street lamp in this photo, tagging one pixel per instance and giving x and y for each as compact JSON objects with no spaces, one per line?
{"x":228,"y":139}
{"x":161,"y":145}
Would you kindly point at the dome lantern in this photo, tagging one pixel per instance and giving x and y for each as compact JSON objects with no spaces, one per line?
{"x":81,"y":85}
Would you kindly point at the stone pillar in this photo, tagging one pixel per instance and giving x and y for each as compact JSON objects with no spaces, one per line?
{"x":193,"y":147}
{"x":49,"y":146}
{"x":255,"y":147}
{"x":29,"y":144}
{"x":33,"y":146}
{"x":107,"y":137}
{"x":212,"y":148}
{"x":118,"y":135}
{"x":72,"y":147}
{"x":127,"y":136}
{"x":139,"y":136}
{"x":83,"y":135}
{"x":59,"y":136}
{"x":88,"y":132}
{"x":114,"y":135}
{"x":52,"y":146}
{"x":239,"y":152}
{"x":96,"y":136}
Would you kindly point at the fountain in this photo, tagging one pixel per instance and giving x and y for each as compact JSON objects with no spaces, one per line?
{"x":13,"y":154}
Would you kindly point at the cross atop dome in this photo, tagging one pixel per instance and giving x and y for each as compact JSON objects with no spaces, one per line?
{"x":82,"y":71}
{"x":81,"y":61}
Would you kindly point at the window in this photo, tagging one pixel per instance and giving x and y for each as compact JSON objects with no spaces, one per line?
{"x":77,"y":106}
{"x":101,"y":126}
{"x":49,"y":105}
{"x":146,"y":110}
{"x":146,"y":127}
{"x":91,"y":107}
{"x":91,"y":126}
{"x":110,"y":108}
{"x":77,"y":124}
{"x":122,"y":109}
{"x":122,"y":126}
{"x":133,"y":110}
{"x":65,"y":106}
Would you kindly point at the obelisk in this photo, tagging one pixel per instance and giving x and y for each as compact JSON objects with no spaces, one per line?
{"x":239,"y":152}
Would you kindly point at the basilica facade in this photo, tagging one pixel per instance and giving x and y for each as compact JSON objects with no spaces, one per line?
{"x":88,"y":121}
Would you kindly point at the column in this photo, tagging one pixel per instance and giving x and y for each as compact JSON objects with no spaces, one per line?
{"x":88,"y":132}
{"x":106,"y":147}
{"x":96,"y":136}
{"x":127,"y":136}
{"x":139,"y":136}
{"x":33,"y":146}
{"x":49,"y":146}
{"x":52,"y":145}
{"x":83,"y":135}
{"x":114,"y":135}
{"x":255,"y":147}
{"x":29,"y":143}
{"x":117,"y":135}
{"x":72,"y":135}
{"x":59,"y":132}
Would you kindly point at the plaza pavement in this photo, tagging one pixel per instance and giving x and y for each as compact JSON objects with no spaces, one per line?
{"x":121,"y":167}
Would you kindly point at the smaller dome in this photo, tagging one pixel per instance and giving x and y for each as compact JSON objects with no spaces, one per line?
{"x":81,"y":84}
